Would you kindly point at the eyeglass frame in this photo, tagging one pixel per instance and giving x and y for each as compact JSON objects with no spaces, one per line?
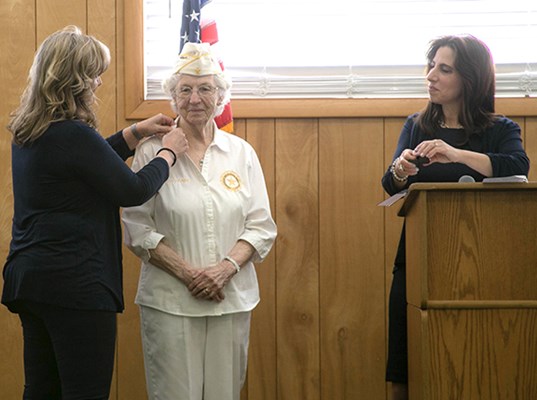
{"x":211,"y":90}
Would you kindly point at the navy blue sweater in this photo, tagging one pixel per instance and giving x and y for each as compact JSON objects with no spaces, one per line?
{"x":501,"y":142}
{"x":66,"y":237}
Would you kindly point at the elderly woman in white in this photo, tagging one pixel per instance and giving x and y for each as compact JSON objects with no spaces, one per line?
{"x":198,"y":238}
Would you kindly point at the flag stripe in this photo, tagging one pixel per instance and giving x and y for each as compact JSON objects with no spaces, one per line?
{"x":209,"y":33}
{"x":194,"y":29}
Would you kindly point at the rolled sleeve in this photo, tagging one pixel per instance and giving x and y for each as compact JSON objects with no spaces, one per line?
{"x":262,"y":246}
{"x":138,"y":237}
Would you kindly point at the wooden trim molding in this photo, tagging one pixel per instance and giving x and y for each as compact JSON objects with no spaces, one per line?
{"x":138,"y":108}
{"x":134,"y":60}
{"x":479,"y":304}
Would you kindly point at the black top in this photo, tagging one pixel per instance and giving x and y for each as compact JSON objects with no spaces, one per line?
{"x":66,"y":237}
{"x":501,"y":142}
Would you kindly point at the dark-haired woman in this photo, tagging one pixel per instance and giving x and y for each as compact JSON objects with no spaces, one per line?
{"x":459,"y":133}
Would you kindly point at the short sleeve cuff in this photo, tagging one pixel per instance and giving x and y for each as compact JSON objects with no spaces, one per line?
{"x":150,"y":242}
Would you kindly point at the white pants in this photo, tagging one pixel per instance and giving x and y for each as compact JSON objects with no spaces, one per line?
{"x":194,"y":358}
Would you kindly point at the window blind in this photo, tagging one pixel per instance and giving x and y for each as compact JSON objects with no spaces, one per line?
{"x":344,"y":49}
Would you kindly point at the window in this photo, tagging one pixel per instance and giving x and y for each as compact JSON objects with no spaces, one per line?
{"x":344,"y":49}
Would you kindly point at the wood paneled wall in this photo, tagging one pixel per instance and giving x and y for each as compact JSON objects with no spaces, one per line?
{"x":319,"y":331}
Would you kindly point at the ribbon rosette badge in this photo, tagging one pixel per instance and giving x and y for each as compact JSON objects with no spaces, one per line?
{"x":231,"y":180}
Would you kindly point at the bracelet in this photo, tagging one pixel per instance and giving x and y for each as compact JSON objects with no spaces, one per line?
{"x":235,"y":263}
{"x":171,"y":151}
{"x":394,"y":173}
{"x":135,"y":132}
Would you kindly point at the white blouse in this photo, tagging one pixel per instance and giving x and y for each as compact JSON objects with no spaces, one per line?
{"x":202,"y":215}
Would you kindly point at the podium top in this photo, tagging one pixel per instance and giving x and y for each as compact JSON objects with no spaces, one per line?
{"x":418,"y":187}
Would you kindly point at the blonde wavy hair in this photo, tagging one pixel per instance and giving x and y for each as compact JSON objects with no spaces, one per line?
{"x":61,"y":84}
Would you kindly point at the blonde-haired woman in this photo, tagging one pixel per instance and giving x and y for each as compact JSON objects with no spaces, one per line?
{"x":63,"y":272}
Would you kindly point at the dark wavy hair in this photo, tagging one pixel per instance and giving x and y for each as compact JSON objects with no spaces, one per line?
{"x":474,"y":63}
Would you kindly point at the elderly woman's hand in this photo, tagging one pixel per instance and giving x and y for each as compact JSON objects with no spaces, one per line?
{"x":158,"y":125}
{"x":209,"y":283}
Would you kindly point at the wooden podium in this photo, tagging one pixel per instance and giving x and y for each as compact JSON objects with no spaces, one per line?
{"x":472,"y":290}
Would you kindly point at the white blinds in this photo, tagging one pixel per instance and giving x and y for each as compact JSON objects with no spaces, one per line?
{"x":345,"y":48}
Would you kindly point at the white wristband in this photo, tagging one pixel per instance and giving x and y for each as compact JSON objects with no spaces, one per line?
{"x":235,"y":263}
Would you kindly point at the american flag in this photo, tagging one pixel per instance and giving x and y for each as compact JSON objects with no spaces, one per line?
{"x":196,"y":28}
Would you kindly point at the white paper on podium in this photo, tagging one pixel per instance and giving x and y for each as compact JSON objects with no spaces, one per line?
{"x":507,"y":179}
{"x":393,"y":199}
